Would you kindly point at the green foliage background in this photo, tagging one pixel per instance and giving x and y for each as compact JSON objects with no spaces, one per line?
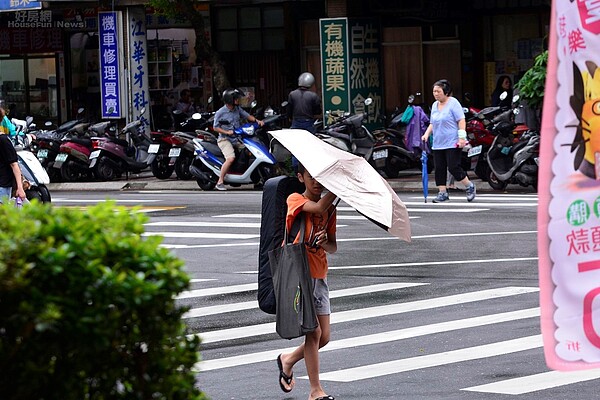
{"x":532,"y":85}
{"x":87,"y":308}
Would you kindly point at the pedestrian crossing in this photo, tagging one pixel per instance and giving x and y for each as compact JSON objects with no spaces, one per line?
{"x":518,"y":346}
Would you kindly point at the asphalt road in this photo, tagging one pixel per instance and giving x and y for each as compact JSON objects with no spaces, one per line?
{"x":451,"y":315}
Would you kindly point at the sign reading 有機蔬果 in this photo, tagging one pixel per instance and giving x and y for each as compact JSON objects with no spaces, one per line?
{"x":569,"y":189}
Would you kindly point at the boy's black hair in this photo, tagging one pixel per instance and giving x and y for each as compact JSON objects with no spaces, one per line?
{"x":300,"y":169}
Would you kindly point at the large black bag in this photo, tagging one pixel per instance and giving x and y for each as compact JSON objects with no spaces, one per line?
{"x":296,"y":314}
{"x":272,"y":226}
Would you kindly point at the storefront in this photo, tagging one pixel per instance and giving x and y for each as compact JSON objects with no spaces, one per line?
{"x":34,"y":52}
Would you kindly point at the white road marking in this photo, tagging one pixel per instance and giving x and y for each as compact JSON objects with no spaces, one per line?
{"x":366,"y":239}
{"x":248,"y":305}
{"x":532,"y":383}
{"x":201,"y":280}
{"x":378,"y":338}
{"x":202,"y":235}
{"x":217,"y":291}
{"x":447,"y":262}
{"x":207,"y":224}
{"x":432,"y":360}
{"x":373,"y":312}
{"x":64,"y":200}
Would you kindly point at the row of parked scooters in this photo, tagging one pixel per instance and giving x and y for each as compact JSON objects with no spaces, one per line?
{"x":500,"y":151}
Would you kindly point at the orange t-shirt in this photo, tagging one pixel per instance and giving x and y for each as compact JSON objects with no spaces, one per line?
{"x":317,"y":258}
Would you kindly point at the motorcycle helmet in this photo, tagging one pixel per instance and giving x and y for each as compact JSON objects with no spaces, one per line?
{"x":306,"y":80}
{"x":229,"y":96}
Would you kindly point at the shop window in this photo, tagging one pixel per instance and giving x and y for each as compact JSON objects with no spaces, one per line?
{"x":249,"y":29}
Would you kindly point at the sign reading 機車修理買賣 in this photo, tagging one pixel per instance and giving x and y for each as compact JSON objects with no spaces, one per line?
{"x":569,"y":189}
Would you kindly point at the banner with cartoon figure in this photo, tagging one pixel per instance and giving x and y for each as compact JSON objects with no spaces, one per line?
{"x":569,"y":189}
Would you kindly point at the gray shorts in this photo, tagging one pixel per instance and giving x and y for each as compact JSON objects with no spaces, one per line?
{"x":321,"y":296}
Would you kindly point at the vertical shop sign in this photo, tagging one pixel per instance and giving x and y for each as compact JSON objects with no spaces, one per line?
{"x":108,"y":27}
{"x":334,"y":67}
{"x":365,"y":69}
{"x":138,"y":68}
{"x":351,"y":67}
{"x":569,"y":189}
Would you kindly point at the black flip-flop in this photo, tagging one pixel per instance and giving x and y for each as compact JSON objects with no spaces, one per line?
{"x":287,"y":379}
{"x":328,"y":397}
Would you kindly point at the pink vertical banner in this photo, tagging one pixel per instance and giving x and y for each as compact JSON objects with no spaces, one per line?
{"x":569,"y":189}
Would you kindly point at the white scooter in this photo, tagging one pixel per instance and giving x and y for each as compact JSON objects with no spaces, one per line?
{"x":32,"y":170}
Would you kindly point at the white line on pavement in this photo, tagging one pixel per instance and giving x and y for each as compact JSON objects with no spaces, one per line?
{"x":432,"y":360}
{"x":532,"y":383}
{"x":378,"y":338}
{"x":217,"y":291}
{"x":447,"y":262}
{"x":248,"y":305}
{"x":373,"y":312}
{"x":202,"y":235}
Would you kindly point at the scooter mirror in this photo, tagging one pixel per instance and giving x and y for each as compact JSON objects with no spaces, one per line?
{"x":284,"y":104}
{"x":411,"y":99}
{"x":210,"y":100}
{"x":253,"y":104}
{"x":196,"y":116}
{"x":515,"y":98}
{"x":368,"y":101}
{"x":503,"y":95}
{"x":48,"y":123}
{"x":80,"y":110}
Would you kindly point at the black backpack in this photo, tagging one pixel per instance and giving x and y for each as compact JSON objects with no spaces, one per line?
{"x":272,"y":226}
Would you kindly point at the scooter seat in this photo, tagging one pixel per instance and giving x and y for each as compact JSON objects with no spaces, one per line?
{"x":120,"y":142}
{"x":82,"y":141}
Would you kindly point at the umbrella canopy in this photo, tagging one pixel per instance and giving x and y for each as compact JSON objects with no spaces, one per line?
{"x":351,"y":178}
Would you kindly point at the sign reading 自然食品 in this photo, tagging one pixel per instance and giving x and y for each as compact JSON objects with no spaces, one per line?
{"x":351,"y":67}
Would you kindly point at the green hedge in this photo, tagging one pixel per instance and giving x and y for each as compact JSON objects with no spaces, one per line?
{"x":87,"y":308}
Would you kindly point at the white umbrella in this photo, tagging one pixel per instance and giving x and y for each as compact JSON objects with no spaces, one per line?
{"x":351,"y":178}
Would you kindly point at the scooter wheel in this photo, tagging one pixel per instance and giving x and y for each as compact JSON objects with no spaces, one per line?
{"x":104,"y":171}
{"x":496,"y":183}
{"x":69,"y":171}
{"x":206,"y":185}
{"x":182,"y":167}
{"x":161,"y":168}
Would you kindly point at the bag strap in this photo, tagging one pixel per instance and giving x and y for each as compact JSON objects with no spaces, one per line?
{"x":299,"y":224}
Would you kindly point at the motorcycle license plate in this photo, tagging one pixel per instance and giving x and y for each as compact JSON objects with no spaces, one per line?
{"x":474,"y":151}
{"x":43,"y":153}
{"x":175,"y":152}
{"x":153,"y":148}
{"x":379,"y":154}
{"x":94,"y":154}
{"x":62,"y":157}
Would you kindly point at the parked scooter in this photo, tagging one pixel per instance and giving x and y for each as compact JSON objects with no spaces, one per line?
{"x":36,"y":177}
{"x":349,"y":134}
{"x":113,"y":156}
{"x":512,"y":160}
{"x":395,"y":150}
{"x":253,"y":163}
{"x":76,"y":146}
{"x":174,"y":150}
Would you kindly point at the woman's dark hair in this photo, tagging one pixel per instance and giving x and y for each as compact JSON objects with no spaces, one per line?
{"x":500,"y":80}
{"x":445,"y":85}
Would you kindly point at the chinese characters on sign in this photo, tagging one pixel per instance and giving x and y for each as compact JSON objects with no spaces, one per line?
{"x":334,"y":58}
{"x":138,"y":68}
{"x":351,"y":66}
{"x":16,"y":5}
{"x":569,"y":211}
{"x":109,"y":64}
